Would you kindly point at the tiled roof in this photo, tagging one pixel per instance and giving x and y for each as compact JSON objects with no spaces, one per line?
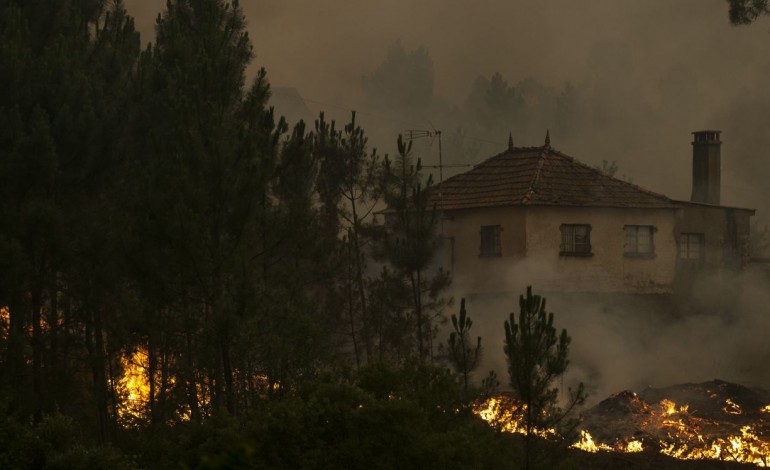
{"x":541,"y":176}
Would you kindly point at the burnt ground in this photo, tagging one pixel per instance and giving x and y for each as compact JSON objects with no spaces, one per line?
{"x":699,"y":414}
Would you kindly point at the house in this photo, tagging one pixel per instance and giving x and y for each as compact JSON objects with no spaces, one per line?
{"x":534,"y":215}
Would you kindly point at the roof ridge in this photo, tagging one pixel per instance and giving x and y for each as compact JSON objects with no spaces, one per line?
{"x":535,"y":175}
{"x":505,"y":152}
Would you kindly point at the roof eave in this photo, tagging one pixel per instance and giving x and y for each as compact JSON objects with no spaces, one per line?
{"x":715,"y":206}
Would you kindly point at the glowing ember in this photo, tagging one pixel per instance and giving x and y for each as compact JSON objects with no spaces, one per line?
{"x":728,"y":428}
{"x":586,"y":443}
{"x":133,"y":391}
{"x":670,"y":407}
{"x":731,"y":408}
{"x":634,"y":446}
{"x":746,"y":447}
{"x":5,"y":322}
{"x":507,"y":414}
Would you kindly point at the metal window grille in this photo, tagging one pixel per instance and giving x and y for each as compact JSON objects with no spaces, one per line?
{"x":575,"y":239}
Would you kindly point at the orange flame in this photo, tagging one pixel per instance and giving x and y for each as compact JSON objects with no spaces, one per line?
{"x":5,"y":322}
{"x":731,"y":408}
{"x":133,"y":389}
{"x":682,"y":436}
{"x":587,"y":444}
{"x":507,"y":415}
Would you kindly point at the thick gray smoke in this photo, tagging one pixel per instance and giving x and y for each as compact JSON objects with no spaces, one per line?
{"x":628,"y":342}
{"x":616,"y":80}
{"x":651,"y":72}
{"x":646,"y":74}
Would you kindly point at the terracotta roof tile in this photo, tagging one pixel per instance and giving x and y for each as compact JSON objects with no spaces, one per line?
{"x":541,"y":176}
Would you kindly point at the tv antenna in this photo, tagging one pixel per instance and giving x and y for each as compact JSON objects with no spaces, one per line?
{"x":413,"y":134}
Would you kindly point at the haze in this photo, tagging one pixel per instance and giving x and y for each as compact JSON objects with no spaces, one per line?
{"x":663,"y":68}
{"x":650,"y":72}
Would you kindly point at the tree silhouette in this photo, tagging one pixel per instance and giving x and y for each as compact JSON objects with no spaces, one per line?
{"x":463,"y":356}
{"x":537,"y":357}
{"x":747,"y":11}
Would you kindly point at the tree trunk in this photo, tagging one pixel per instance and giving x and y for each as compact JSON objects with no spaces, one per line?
{"x":164,"y":378}
{"x":227,"y":370}
{"x":37,"y":354}
{"x":95,"y":346}
{"x":192,"y":386}
{"x":465,"y":361}
{"x":152,"y":367}
{"x":361,"y":286}
{"x":53,"y":366}
{"x":112,"y":393}
{"x":351,"y":312}
{"x":16,"y":378}
{"x":418,"y":313}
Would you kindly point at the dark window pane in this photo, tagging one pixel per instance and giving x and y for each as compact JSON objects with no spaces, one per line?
{"x":490,"y":241}
{"x":639,"y":240}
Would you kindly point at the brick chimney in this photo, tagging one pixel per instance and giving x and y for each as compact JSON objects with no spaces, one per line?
{"x":706,"y":167}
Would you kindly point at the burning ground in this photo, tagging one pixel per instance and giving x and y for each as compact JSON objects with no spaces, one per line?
{"x":715,"y":420}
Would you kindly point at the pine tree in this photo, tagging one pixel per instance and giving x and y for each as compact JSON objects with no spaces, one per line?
{"x":66,"y":66}
{"x":537,"y":357}
{"x":349,"y":193}
{"x":462,"y":355}
{"x":411,"y":242}
{"x":203,"y":162}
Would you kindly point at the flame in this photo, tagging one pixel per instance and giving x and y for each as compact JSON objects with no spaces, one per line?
{"x":497,"y":414}
{"x":133,"y":388}
{"x":746,"y":447}
{"x":5,"y":322}
{"x":681,"y":435}
{"x":634,"y":446}
{"x":670,"y":407}
{"x":586,"y":443}
{"x":731,"y":407}
{"x":507,"y":414}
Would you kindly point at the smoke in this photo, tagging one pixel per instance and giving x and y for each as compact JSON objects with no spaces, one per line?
{"x":641,"y":75}
{"x":648,"y":73}
{"x":633,"y":342}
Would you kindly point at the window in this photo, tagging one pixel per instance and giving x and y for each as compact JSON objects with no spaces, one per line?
{"x":691,"y":246}
{"x":575,"y":240}
{"x":490,"y":241}
{"x":639,"y":242}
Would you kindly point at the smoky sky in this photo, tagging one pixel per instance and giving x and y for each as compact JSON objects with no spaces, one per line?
{"x":656,"y":69}
{"x":650,"y":72}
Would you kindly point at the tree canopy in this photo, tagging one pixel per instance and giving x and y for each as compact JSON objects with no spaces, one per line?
{"x":187,"y":281}
{"x":747,"y":11}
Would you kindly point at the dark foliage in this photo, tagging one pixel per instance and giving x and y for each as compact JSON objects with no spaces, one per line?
{"x":747,"y":11}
